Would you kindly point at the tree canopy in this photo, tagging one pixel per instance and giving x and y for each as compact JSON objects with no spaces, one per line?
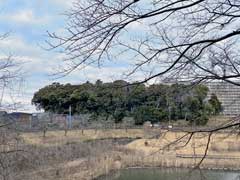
{"x":115,"y":100}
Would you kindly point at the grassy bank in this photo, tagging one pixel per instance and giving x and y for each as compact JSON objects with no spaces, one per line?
{"x":93,"y":153}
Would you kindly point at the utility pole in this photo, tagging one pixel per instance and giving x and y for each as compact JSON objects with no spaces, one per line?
{"x":70,"y":117}
{"x":169,"y":111}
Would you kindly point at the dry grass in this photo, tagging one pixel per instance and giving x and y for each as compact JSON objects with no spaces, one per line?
{"x":99,"y":158}
{"x":221,"y":144}
{"x":218,"y":120}
{"x":58,"y":137}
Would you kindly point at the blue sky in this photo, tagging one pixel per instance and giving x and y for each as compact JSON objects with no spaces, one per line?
{"x":28,"y":23}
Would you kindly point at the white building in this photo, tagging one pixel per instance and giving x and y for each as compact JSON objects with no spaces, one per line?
{"x":228,"y":94}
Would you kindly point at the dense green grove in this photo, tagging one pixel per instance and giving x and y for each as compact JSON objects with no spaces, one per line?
{"x":118,"y":99}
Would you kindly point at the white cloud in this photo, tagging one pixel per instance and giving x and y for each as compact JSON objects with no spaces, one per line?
{"x":23,"y":17}
{"x":18,"y":46}
{"x":64,"y":3}
{"x":106,"y":74}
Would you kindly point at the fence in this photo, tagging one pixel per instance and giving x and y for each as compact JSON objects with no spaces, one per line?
{"x":40,"y":121}
{"x":50,"y":121}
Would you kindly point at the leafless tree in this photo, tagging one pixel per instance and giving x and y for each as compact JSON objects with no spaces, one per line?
{"x":10,"y":74}
{"x":187,"y":40}
{"x":167,"y":38}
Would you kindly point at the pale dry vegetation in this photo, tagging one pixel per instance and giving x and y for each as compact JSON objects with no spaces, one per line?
{"x":93,"y":153}
{"x":75,"y":136}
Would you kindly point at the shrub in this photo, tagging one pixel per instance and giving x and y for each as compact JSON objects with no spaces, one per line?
{"x":216,"y":104}
{"x":118,"y":115}
{"x":149,"y":113}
